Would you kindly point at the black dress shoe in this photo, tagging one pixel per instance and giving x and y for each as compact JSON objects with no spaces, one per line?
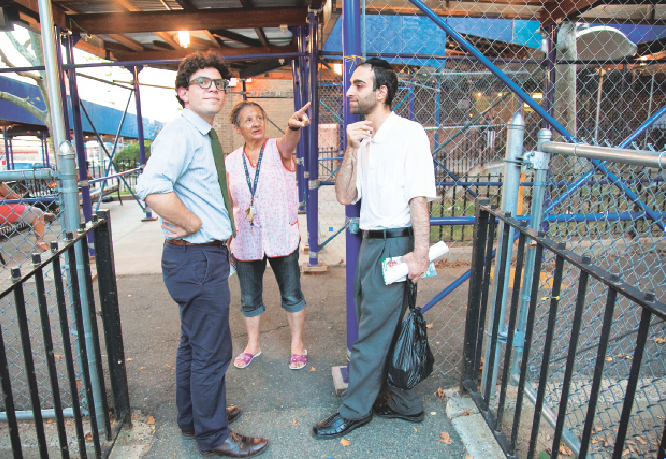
{"x":237,"y":445}
{"x":383,"y":410}
{"x":233,"y":413}
{"x":335,"y":426}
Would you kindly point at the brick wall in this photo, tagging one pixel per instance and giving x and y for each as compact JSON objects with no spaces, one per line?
{"x":279,"y":109}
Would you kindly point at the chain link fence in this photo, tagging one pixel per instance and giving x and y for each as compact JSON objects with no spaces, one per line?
{"x":601,"y":94}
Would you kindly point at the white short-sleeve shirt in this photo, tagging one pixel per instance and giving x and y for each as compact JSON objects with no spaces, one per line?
{"x":392,"y":168}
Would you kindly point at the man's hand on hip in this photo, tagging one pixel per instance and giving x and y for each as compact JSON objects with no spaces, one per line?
{"x":418,"y":264}
{"x":177,"y":232}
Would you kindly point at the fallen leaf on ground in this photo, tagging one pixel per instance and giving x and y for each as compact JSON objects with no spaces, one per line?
{"x":344,"y":442}
{"x":467,"y":456}
{"x":609,"y":359}
{"x":142,"y":368}
{"x":312,"y":369}
{"x":661,"y":340}
{"x":329,"y":328}
{"x":49,"y":421}
{"x":342,"y":260}
{"x":565,"y":450}
{"x":440,"y":393}
{"x":57,"y":356}
{"x":620,"y":355}
{"x":69,"y":422}
{"x":628,"y":357}
{"x":429,"y":326}
{"x":130,"y":359}
{"x":466,"y":413}
{"x":293,"y":422}
{"x":445,"y":438}
{"x":79,"y":385}
{"x":641,"y":440}
{"x":88,"y":436}
{"x":415,"y":430}
{"x":150,"y":421}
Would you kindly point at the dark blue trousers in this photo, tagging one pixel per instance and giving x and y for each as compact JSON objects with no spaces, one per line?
{"x":196,"y":277}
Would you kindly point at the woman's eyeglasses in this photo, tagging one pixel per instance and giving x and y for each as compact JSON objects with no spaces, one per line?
{"x":206,"y":83}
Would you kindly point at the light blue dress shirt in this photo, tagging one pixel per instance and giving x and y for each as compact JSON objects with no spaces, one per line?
{"x":181,"y":162}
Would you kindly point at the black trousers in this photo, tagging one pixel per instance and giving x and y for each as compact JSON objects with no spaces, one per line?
{"x":196,"y":277}
{"x":379,"y":309}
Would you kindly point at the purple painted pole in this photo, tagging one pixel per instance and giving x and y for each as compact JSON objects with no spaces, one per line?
{"x":298,"y":103}
{"x":135,"y":70}
{"x":351,"y":46}
{"x":244,"y":90}
{"x":305,"y":134}
{"x":79,"y":143}
{"x":313,"y":163}
{"x":45,"y":151}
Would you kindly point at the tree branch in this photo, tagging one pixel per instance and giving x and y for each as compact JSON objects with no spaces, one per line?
{"x":30,"y":57}
{"x":41,"y":115}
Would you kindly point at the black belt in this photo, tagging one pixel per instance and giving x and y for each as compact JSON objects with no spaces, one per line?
{"x":388,"y":233}
{"x":184,"y":242}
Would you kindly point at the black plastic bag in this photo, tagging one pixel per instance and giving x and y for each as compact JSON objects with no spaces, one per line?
{"x":411,"y":360}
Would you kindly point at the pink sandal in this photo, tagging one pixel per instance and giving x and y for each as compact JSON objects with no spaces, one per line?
{"x":246,"y":358}
{"x":297,"y":359}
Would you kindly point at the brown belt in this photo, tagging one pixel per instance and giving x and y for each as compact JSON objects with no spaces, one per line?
{"x":184,"y":242}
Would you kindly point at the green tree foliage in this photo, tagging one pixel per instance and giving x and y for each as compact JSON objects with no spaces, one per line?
{"x":130,"y":154}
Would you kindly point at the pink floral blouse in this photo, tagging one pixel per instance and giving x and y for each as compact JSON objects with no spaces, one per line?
{"x":275,"y":231}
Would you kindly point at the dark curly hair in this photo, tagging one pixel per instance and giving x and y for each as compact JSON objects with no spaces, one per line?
{"x":384,"y":76}
{"x":197,"y":61}
{"x":234,"y":115}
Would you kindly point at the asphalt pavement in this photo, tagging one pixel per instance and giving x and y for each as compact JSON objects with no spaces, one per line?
{"x":278,"y":403}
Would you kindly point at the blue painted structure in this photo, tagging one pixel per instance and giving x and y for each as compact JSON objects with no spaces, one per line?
{"x":106,"y":119}
{"x":404,"y":34}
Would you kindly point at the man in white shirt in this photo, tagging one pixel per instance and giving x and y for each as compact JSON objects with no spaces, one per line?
{"x":388,"y":163}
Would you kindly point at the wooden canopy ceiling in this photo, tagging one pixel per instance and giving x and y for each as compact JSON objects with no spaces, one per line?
{"x":139,"y":30}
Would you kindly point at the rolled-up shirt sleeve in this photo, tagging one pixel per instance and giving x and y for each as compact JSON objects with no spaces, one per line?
{"x":419,"y":167}
{"x":170,"y":156}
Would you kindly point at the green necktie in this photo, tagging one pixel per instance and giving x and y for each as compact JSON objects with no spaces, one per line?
{"x":218,"y":156}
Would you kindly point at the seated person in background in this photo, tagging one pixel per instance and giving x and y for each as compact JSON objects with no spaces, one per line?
{"x":15,"y":213}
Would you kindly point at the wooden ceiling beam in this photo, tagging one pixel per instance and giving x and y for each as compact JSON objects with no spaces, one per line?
{"x":262,"y":36}
{"x":555,"y":11}
{"x":213,"y":39}
{"x":126,"y":41}
{"x":164,"y":21}
{"x":32,"y":7}
{"x":260,"y":68}
{"x":181,"y":53}
{"x":238,"y":38}
{"x":165,"y":36}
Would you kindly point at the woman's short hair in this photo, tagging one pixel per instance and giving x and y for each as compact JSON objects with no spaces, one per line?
{"x":234,"y":116}
{"x":195,"y":62}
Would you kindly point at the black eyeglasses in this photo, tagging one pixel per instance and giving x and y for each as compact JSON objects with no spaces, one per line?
{"x":206,"y":83}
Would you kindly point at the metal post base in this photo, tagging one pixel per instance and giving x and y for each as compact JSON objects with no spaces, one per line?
{"x":340,"y":379}
{"x":149,"y":216}
{"x":321,"y":268}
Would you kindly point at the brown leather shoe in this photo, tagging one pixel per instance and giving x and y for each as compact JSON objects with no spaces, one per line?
{"x":233,"y":413}
{"x":238,"y":445}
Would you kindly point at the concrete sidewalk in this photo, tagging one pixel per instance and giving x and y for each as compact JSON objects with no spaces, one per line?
{"x":277,"y":403}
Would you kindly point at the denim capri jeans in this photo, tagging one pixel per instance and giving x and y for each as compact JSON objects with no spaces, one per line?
{"x":287,"y":274}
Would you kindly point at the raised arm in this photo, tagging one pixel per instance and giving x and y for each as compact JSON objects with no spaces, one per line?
{"x":345,"y":179}
{"x":288,"y":142}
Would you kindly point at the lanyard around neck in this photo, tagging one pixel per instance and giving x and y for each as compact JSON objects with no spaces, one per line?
{"x":253,"y":190}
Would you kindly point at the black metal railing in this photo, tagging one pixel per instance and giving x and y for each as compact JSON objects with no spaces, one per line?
{"x":52,"y":261}
{"x":615,"y":290}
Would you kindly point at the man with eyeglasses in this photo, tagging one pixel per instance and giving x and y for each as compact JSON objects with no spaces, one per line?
{"x":185,"y":183}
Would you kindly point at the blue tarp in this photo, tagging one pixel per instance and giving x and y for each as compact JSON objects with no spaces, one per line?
{"x":106,"y":119}
{"x":420,"y":35}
